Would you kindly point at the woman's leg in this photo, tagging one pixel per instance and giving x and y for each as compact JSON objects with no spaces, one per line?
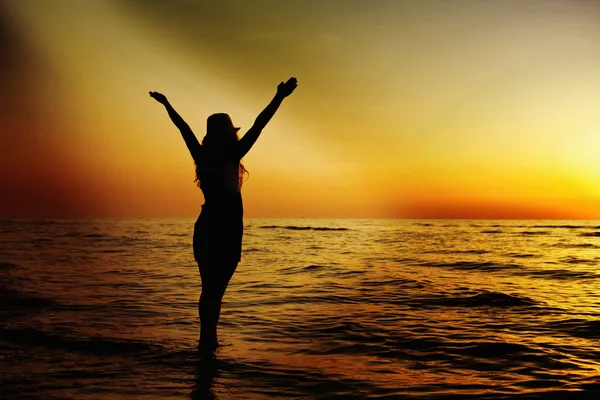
{"x":215,"y":279}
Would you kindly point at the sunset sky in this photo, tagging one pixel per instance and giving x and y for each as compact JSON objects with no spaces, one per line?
{"x":433,"y":109}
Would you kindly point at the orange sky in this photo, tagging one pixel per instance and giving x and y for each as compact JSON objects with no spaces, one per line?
{"x":431,"y":109}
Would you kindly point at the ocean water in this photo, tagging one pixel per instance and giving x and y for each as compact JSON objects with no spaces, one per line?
{"x":318,"y":309}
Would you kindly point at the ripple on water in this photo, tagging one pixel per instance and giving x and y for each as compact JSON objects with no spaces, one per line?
{"x":459,"y":312}
{"x":483,"y":299}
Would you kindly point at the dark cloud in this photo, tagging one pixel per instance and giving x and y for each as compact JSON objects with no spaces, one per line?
{"x":17,"y":63}
{"x":254,"y":42}
{"x":37,"y":179}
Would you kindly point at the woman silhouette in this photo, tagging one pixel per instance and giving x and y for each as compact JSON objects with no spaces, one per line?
{"x":218,"y":231}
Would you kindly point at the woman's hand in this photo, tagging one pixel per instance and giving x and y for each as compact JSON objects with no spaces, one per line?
{"x":161,"y":98}
{"x":285,"y":89}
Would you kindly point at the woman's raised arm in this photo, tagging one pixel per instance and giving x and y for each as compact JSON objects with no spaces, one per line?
{"x":248,"y":140}
{"x":188,"y":136}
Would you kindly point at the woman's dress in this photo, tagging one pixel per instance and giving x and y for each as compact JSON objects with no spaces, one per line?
{"x":219,"y":228}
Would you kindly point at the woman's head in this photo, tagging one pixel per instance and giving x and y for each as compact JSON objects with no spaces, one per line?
{"x":220,"y":143}
{"x":221,"y":135}
{"x":220,"y":124}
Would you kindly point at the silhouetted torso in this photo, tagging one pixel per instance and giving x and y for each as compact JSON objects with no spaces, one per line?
{"x":220,"y":184}
{"x":219,"y":228}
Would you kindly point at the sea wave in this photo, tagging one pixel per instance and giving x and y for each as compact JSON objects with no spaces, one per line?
{"x":303,"y":228}
{"x":16,"y":302}
{"x":483,"y":299}
{"x":521,"y":255}
{"x":560,"y":226}
{"x":484,"y":266}
{"x":84,"y":234}
{"x":32,"y":337}
{"x":582,"y":328}
{"x":6,"y":265}
{"x":560,"y":274}
{"x":533,"y":233}
{"x":577,"y":260}
{"x":458,"y":251}
{"x":576,"y":245}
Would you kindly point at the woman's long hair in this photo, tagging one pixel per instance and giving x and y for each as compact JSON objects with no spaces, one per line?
{"x":219,"y":147}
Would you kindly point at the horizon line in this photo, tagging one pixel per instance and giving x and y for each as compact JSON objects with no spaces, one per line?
{"x":39,"y":218}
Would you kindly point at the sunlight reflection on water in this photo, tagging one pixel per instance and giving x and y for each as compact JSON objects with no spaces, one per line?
{"x":317,"y":308}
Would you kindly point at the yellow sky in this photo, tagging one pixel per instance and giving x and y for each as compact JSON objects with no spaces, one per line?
{"x":486,"y":109}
